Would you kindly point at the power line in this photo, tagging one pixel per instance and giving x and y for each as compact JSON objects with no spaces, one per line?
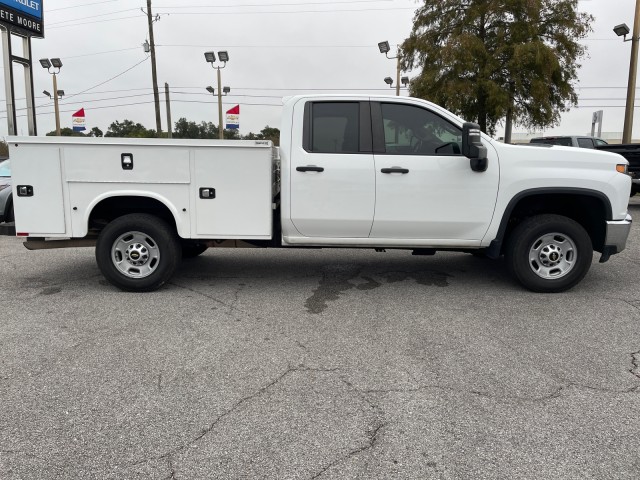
{"x":112,"y":78}
{"x":79,"y":6}
{"x":101,"y":53}
{"x":92,"y":16}
{"x":283,"y":12}
{"x":328,"y":2}
{"x":373,"y":46}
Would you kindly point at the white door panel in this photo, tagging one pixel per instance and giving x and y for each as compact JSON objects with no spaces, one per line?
{"x":439,"y":198}
{"x":337,"y":202}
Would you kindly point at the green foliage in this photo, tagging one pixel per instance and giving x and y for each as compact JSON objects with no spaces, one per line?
{"x":66,"y":132}
{"x":480,"y":57}
{"x":129,"y":129}
{"x":95,"y":132}
{"x":270,"y":133}
{"x":186,"y":129}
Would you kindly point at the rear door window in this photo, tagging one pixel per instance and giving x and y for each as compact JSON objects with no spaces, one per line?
{"x":335,"y":127}
{"x":585,"y":143}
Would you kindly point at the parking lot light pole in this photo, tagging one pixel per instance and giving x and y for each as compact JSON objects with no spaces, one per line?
{"x":210,"y":57}
{"x":622,"y":31}
{"x":54,"y":64}
{"x":385,"y":48}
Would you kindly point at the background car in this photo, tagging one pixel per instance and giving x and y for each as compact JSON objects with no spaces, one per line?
{"x":570,"y":141}
{"x":6,"y":199}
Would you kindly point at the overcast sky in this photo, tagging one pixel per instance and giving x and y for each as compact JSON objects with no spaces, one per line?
{"x":276,"y":48}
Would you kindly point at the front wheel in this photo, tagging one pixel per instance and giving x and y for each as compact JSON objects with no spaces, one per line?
{"x":138,"y":252}
{"x":549,"y":253}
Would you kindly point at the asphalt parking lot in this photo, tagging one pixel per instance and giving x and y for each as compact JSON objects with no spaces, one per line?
{"x":318,"y":364}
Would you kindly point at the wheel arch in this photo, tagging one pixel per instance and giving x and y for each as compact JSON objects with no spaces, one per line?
{"x":112,"y":205}
{"x":590,"y":208}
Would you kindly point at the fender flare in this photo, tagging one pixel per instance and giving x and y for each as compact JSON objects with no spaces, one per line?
{"x":493,"y":251}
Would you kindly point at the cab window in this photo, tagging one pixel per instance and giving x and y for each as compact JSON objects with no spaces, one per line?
{"x":411,"y":130}
{"x":335,"y":127}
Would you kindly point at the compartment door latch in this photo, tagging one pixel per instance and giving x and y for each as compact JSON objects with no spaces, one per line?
{"x":127,"y":161}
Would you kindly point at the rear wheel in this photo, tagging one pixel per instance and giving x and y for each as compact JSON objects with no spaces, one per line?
{"x":138,"y":252}
{"x":549,"y":253}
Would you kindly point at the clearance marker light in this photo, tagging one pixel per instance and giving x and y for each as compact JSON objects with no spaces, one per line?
{"x":622,"y":168}
{"x":21,"y":234}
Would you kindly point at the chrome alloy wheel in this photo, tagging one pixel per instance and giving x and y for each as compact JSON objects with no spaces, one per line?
{"x":135,"y":254}
{"x":553,"y":255}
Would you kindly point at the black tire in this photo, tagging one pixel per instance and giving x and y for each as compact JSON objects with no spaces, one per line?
{"x":634,"y":190}
{"x":549,"y":253}
{"x":9,"y":214}
{"x":192,"y":250}
{"x":138,"y":252}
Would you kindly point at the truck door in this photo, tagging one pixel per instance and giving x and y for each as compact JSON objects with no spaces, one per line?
{"x":332,"y":171}
{"x":425,"y":188}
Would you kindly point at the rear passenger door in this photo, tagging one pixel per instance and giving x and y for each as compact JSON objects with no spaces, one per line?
{"x":332,"y":172}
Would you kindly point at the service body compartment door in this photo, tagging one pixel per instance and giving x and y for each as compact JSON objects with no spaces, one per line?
{"x":38,"y":170}
{"x":231,"y":191}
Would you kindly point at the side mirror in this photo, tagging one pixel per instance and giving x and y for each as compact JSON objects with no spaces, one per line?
{"x":472,"y":147}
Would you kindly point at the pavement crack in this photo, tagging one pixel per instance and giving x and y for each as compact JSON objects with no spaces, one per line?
{"x":231,"y":306}
{"x":372,"y":440}
{"x":172,"y":470}
{"x":635,"y":364}
{"x":478,"y":393}
{"x":205,"y":431}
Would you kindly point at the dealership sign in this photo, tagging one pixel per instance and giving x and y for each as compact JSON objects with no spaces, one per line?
{"x":23,"y":17}
{"x":233,"y":118}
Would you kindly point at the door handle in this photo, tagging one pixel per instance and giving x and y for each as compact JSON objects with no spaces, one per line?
{"x":310,"y":168}
{"x":395,"y":170}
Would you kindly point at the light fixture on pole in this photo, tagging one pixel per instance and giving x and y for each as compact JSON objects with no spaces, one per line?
{"x":622,"y":30}
{"x":53,"y":66}
{"x":210,"y":57}
{"x":386,"y":48}
{"x":404,"y":81}
{"x":60,"y":94}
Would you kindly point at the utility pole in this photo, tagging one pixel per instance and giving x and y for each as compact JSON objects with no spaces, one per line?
{"x":154,"y":73}
{"x":220,"y":124}
{"x":166,"y":94}
{"x":633,"y":70}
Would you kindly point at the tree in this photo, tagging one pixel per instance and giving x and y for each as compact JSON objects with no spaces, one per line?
{"x":483,"y":59}
{"x":95,"y":132}
{"x":129,"y":129}
{"x":66,"y":132}
{"x":267,"y":133}
{"x":186,"y":129}
{"x":270,"y":133}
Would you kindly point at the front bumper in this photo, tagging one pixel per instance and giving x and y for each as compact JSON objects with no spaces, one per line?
{"x":616,"y":239}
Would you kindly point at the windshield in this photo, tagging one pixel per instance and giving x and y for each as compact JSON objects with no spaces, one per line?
{"x":5,"y":168}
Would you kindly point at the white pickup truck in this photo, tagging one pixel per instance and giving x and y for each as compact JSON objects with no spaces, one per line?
{"x":352,"y":172}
